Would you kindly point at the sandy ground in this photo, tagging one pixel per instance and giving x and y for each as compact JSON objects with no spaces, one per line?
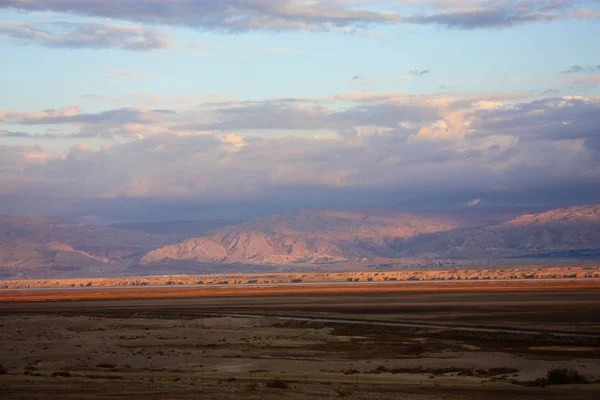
{"x":169,"y":348}
{"x":581,"y":271}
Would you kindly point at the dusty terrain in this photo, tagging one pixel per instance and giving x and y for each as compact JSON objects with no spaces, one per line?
{"x":375,"y":274}
{"x":194,"y":347}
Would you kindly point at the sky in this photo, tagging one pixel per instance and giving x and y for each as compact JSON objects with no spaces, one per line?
{"x":186,"y":109}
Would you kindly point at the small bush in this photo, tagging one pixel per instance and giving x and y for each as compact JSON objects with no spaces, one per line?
{"x":251,"y":387}
{"x":3,"y":371}
{"x":341,"y":392}
{"x":107,"y":366}
{"x":560,"y":376}
{"x":564,"y":376}
{"x":63,"y":374}
{"x":277,"y":384}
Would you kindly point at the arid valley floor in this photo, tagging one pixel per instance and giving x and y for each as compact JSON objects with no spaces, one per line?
{"x":435,"y":340}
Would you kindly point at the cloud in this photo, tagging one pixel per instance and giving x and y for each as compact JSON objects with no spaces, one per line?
{"x":86,"y":35}
{"x":552,"y":91}
{"x":574,"y":69}
{"x":473,"y":202}
{"x":318,"y":15}
{"x":420,"y":73}
{"x":381,"y":147}
{"x":422,"y":117}
{"x":488,"y":14}
{"x":227,"y":15}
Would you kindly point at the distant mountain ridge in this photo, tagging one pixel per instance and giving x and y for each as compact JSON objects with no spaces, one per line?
{"x":43,"y":244}
{"x":316,"y":237}
{"x":48,"y":247}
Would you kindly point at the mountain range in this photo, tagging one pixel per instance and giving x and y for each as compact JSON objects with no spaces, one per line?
{"x":54,"y":247}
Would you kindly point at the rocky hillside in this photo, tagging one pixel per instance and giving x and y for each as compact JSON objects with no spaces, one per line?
{"x":28,"y":243}
{"x":316,"y":237}
{"x":563,"y":229}
{"x":52,"y":247}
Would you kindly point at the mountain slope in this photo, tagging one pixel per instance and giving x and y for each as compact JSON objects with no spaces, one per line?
{"x":35,"y":243}
{"x":564,"y":229}
{"x":313,"y":237}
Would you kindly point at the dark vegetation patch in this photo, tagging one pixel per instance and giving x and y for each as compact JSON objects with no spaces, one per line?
{"x":64,"y":374}
{"x":277,"y":384}
{"x":107,"y":366}
{"x":560,"y":376}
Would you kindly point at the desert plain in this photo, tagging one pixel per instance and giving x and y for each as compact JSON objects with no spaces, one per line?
{"x":382,"y":340}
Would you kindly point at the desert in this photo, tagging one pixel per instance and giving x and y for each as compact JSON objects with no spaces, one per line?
{"x":382,"y":341}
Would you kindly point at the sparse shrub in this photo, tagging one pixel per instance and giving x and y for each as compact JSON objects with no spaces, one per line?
{"x":297,"y":280}
{"x":560,"y":376}
{"x":63,"y":374}
{"x":3,"y":371}
{"x":380,"y":369}
{"x":564,"y":376}
{"x":107,"y":366}
{"x":351,"y":372}
{"x":89,"y":284}
{"x":343,"y":392}
{"x":251,"y":387}
{"x":277,"y":384}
